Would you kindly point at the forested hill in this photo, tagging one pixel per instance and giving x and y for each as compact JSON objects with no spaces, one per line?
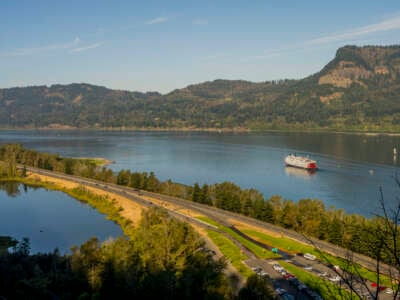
{"x":358,"y":90}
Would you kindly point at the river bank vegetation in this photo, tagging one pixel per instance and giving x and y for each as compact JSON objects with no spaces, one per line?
{"x":307,"y":216}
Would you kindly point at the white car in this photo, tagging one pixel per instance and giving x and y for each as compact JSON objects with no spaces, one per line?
{"x":277,"y":267}
{"x":308,"y":268}
{"x":280,"y":291}
{"x":334,"y":279}
{"x":389,"y":291}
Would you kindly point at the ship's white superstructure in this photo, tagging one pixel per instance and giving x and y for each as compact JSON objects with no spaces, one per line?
{"x":300,"y":162}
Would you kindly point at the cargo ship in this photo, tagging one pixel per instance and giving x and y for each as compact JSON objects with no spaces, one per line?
{"x":302,"y":162}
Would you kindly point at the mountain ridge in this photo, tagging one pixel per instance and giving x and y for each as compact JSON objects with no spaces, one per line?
{"x":357,"y":90}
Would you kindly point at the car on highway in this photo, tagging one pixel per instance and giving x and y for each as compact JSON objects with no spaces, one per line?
{"x":263,"y":273}
{"x":334,"y":278}
{"x":308,"y":268}
{"x":322,"y":274}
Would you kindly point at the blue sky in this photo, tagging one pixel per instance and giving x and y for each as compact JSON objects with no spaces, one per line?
{"x":164,"y":45}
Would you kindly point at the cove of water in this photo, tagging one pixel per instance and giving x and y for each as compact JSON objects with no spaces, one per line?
{"x":50,"y":219}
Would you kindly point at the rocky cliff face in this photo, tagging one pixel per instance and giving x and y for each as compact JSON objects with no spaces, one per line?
{"x":358,"y":64}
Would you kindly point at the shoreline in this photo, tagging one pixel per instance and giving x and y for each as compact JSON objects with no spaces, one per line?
{"x":205,"y":130}
{"x":99,"y":161}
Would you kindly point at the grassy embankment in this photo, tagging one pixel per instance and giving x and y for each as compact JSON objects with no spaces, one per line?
{"x":231,"y":252}
{"x":257,"y":250}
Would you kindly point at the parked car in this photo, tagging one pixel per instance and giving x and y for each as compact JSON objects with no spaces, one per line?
{"x":336,"y":268}
{"x":379,"y":287}
{"x":389,"y":291}
{"x":277,"y":267}
{"x":287,"y":297}
{"x":302,"y":286}
{"x":288,"y":275}
{"x":280,"y":291}
{"x":294,"y":281}
{"x":309,"y":256}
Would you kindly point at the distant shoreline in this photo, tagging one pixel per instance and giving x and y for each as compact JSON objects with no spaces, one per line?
{"x":99,"y":161}
{"x":211,"y":130}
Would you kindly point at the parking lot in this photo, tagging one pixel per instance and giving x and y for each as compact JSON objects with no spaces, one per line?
{"x":289,"y":287}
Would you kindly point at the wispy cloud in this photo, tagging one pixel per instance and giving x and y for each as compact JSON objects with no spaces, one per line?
{"x":157,"y":20}
{"x":200,"y":22}
{"x":85,"y":48}
{"x":360,"y":34}
{"x":43,"y":49}
{"x":385,"y":25}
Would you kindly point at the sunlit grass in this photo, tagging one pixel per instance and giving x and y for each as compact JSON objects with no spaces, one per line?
{"x":231,"y":252}
{"x":257,"y":250}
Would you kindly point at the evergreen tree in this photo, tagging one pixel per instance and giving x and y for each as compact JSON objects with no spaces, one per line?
{"x":196,"y":194}
{"x":205,"y":195}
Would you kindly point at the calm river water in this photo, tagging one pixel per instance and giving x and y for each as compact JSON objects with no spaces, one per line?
{"x":352,"y":167}
{"x":50,"y":219}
